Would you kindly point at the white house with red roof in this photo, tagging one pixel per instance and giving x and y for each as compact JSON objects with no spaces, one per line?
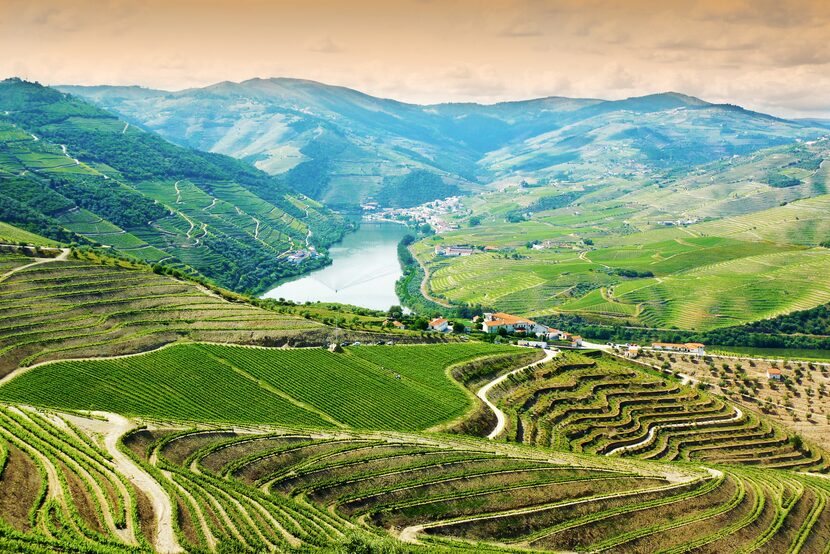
{"x":493,"y":322}
{"x":439,"y":324}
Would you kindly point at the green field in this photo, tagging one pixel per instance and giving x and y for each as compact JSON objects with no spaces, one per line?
{"x":700,"y":282}
{"x":718,"y":273}
{"x":311,"y":387}
{"x":12,"y":234}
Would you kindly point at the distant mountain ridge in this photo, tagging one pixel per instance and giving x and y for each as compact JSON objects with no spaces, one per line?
{"x":340,"y":145}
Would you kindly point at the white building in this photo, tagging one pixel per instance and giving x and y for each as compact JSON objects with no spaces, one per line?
{"x":493,"y":322}
{"x":533,"y":343}
{"x":439,"y":324}
{"x":686,"y":348}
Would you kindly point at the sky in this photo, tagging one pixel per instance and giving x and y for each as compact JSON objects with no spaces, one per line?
{"x":768,"y":55}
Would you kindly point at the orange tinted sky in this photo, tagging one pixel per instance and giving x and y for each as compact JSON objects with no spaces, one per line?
{"x":771,"y":55}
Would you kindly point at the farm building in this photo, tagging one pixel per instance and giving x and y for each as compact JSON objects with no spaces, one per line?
{"x":512,"y":324}
{"x":555,"y":334}
{"x":394,"y":323}
{"x":686,"y":348}
{"x":633,"y":351}
{"x":774,"y":373}
{"x":533,"y":343}
{"x":454,"y":251}
{"x":575,"y":340}
{"x":439,"y":324}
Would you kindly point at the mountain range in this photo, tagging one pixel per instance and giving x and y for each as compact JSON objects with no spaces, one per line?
{"x":342,"y":147}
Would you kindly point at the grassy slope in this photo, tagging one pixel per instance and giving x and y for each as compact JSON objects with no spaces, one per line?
{"x":701,"y":279}
{"x":12,"y":234}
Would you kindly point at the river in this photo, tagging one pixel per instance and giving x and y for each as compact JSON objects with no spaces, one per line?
{"x":363,"y":271}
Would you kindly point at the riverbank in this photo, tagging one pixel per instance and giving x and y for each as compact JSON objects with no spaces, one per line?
{"x":411,"y":287}
{"x":363,"y":271}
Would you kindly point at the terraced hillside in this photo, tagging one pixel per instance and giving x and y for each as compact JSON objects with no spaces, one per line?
{"x":62,"y":492}
{"x":673,"y":250}
{"x":661,"y":279}
{"x":99,"y":482}
{"x":445,"y":493}
{"x":76,"y":308}
{"x":610,"y":407}
{"x":729,"y":292}
{"x":73,"y":172}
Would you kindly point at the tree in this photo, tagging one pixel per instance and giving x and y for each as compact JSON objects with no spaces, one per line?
{"x":458,"y":327}
{"x":395,"y":312}
{"x":475,"y":221}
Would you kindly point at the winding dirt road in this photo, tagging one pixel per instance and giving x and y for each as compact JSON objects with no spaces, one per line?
{"x":62,"y":257}
{"x":112,"y":427}
{"x":501,"y":420}
{"x":425,"y":283}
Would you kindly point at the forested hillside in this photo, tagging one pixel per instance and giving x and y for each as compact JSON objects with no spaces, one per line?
{"x":73,"y":172}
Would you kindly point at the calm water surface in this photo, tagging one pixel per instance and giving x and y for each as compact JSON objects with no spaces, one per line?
{"x":363,"y":271}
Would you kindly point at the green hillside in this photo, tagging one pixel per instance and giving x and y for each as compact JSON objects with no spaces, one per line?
{"x":52,"y":308}
{"x":9,"y":234}
{"x":612,"y":408}
{"x":229,"y":448}
{"x":711,"y":247}
{"x":73,"y":172}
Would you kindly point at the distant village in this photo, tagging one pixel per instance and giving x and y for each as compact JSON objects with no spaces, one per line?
{"x":432,"y":213}
{"x":678,"y":222}
{"x":301,"y":254}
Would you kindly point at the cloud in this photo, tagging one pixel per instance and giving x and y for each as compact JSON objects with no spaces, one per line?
{"x":768,"y":13}
{"x":807,"y":53}
{"x":324,"y":45}
{"x":475,"y":82}
{"x":519,"y":28}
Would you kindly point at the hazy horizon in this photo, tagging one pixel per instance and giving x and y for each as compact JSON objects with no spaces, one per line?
{"x":765,"y":55}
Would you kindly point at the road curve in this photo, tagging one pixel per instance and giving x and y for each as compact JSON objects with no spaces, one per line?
{"x":112,"y":427}
{"x":425,"y":284}
{"x":482,"y":392}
